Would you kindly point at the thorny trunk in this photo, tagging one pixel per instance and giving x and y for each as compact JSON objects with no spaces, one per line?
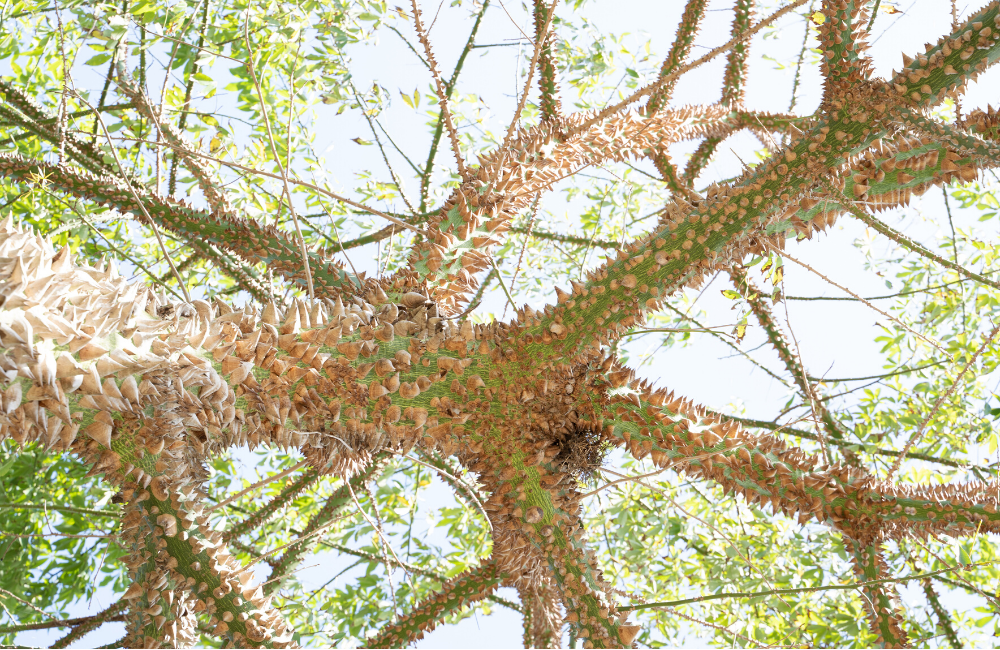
{"x":374,"y":368}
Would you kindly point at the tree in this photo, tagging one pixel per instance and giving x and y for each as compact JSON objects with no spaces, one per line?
{"x":348,"y":382}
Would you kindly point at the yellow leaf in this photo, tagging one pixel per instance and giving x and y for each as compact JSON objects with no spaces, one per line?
{"x":819,"y":18}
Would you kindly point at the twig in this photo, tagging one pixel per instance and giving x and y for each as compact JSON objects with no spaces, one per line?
{"x":885,"y":297}
{"x":24,"y":602}
{"x":138,"y":201}
{"x":623,"y":480}
{"x":442,"y":93}
{"x":502,"y":285}
{"x":857,"y":297}
{"x":370,"y":522}
{"x":45,"y":506}
{"x":381,"y":534}
{"x":29,"y":535}
{"x":258,"y":484}
{"x":815,"y":405}
{"x":951,"y":389}
{"x":801,"y":590}
{"x":274,"y":152}
{"x":471,"y":492}
{"x":524,"y":247}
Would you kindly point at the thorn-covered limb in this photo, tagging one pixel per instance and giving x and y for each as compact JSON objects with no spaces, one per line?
{"x":443,"y":93}
{"x":694,"y":11}
{"x":927,"y":79}
{"x":843,"y":44}
{"x":477,"y":216}
{"x":881,"y":600}
{"x":968,"y":145}
{"x":734,"y":81}
{"x":548,"y":74}
{"x":668,"y":171}
{"x":778,"y":197}
{"x":263,"y":514}
{"x":700,"y":158}
{"x":887,"y":176}
{"x":214,"y":193}
{"x":161,"y":609}
{"x":333,"y":507}
{"x":23,"y":111}
{"x":245,"y":238}
{"x":464,"y":589}
{"x":538,"y":537}
{"x":942,"y":614}
{"x":542,"y":620}
{"x":809,"y":392}
{"x":179,"y":565}
{"x":676,"y":433}
{"x":198,"y":562}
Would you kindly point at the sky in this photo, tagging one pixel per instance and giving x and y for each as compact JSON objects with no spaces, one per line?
{"x":836,"y":338}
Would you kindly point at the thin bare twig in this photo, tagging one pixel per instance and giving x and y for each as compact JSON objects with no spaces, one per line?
{"x":940,"y":400}
{"x":138,"y":201}
{"x":274,"y":152}
{"x":909,"y":329}
{"x":623,"y":480}
{"x":471,"y":493}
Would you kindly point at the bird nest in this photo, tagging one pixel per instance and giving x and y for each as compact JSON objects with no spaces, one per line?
{"x":581,"y":453}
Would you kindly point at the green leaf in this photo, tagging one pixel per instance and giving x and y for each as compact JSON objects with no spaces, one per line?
{"x":98,"y":59}
{"x":6,"y":466}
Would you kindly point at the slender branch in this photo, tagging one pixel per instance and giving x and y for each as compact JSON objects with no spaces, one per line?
{"x":442,"y":92}
{"x":274,"y":152}
{"x":800,"y":590}
{"x":540,"y":39}
{"x":940,"y":400}
{"x":906,"y":242}
{"x":906,"y":327}
{"x":46,"y":506}
{"x":259,"y":484}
